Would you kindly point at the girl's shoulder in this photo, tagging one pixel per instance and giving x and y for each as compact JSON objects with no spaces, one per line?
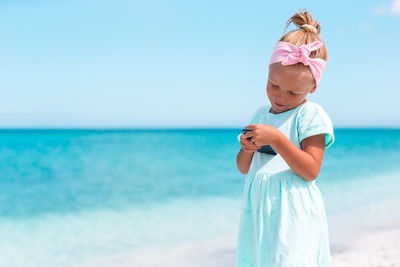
{"x":263,"y":107}
{"x":312,"y":119}
{"x":259,"y":113}
{"x":310,"y":108}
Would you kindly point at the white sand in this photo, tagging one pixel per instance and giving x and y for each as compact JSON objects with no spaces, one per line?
{"x":375,"y":249}
{"x":380,"y":248}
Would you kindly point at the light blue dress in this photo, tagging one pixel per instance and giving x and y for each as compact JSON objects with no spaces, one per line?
{"x":283,"y":221}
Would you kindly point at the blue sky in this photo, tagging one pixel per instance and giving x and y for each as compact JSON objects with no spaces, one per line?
{"x":167,"y":64}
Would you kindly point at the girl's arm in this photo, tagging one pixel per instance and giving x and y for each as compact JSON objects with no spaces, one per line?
{"x":306,"y":162}
{"x":243,"y":161}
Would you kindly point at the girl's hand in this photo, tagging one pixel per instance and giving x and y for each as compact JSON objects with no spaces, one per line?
{"x":262,"y":134}
{"x":248,"y":145}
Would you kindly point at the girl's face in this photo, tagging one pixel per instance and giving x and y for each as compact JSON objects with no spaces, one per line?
{"x":288,"y":87}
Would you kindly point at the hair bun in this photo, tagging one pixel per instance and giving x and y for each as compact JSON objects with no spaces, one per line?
{"x":310,"y":28}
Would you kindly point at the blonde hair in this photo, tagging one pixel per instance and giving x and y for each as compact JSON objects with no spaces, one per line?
{"x":307,"y":32}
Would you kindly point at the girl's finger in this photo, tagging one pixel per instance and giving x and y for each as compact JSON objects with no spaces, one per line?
{"x":249,"y":141}
{"x":252,"y":147}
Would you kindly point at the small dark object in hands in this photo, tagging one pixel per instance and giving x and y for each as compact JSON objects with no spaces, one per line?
{"x":267,"y":149}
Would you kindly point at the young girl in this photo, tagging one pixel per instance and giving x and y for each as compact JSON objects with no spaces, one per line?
{"x":283,"y":220}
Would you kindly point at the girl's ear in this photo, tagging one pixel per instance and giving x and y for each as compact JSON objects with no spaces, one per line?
{"x":313,"y":89}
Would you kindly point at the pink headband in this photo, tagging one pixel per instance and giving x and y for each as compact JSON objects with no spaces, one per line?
{"x":290,"y":54}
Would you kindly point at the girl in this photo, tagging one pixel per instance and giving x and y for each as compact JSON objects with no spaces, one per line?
{"x":283,"y":220}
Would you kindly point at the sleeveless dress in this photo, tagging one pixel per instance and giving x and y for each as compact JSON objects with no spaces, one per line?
{"x":283,"y":221}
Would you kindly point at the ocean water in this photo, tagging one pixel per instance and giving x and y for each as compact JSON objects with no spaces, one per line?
{"x":166,"y":197}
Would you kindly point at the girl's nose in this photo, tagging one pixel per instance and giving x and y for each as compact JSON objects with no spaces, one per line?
{"x":279,"y":96}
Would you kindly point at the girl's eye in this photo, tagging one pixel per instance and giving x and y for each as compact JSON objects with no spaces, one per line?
{"x":273,"y":85}
{"x":292,"y":93}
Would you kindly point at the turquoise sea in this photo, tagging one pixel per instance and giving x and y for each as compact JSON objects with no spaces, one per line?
{"x":166,"y":197}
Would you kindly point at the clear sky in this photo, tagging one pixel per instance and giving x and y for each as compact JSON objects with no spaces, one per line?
{"x":167,"y":64}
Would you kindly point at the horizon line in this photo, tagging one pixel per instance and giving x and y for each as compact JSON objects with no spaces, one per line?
{"x":169,"y":128}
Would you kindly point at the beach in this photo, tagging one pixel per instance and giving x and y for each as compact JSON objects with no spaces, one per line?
{"x":376,"y":249}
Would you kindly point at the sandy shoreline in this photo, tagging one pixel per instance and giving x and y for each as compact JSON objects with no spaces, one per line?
{"x":380,"y":248}
{"x":375,"y":249}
